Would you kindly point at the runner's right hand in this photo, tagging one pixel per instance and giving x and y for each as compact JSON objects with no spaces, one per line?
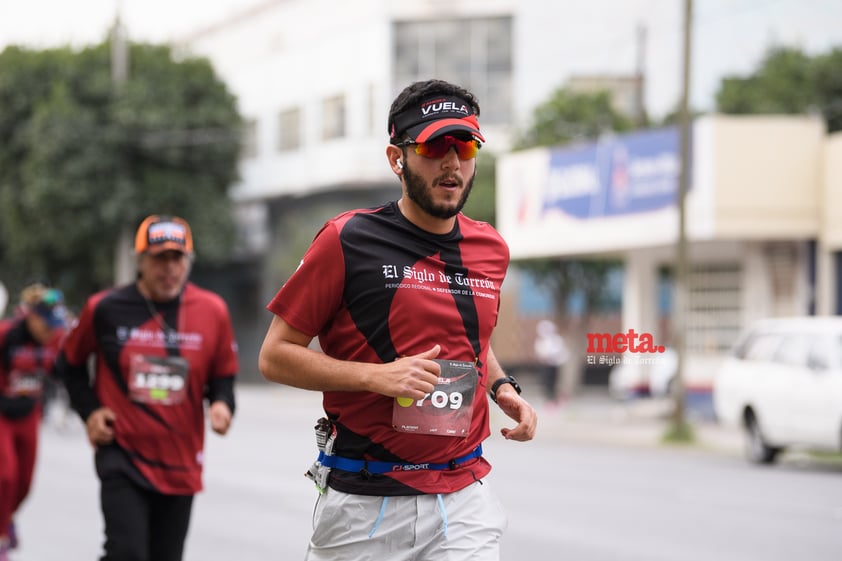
{"x":412,"y":376}
{"x":100,"y":426}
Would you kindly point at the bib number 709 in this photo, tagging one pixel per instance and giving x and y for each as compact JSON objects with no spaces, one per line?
{"x":441,"y":399}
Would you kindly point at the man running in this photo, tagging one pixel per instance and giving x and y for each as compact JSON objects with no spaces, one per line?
{"x":403,"y":299}
{"x":162,"y":346}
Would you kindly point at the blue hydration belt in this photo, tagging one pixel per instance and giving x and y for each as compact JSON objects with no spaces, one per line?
{"x":354,"y":465}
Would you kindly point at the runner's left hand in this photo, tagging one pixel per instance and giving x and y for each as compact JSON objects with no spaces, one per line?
{"x":220,"y":417}
{"x":513,"y":405}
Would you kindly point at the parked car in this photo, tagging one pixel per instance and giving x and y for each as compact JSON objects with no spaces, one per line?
{"x":631,"y":378}
{"x":782,"y":384}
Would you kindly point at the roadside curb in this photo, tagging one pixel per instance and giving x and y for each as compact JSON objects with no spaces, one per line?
{"x":641,"y":422}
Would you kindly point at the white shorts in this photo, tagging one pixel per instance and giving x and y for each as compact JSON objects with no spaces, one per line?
{"x":461,"y":526}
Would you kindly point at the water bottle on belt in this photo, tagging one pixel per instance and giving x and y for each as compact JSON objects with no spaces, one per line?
{"x":325,"y":439}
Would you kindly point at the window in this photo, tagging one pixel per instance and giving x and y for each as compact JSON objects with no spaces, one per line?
{"x":289,"y":130}
{"x":248,"y":141}
{"x":819,"y":358}
{"x":761,"y":347}
{"x":474,"y":53}
{"x":793,"y":350}
{"x":714,"y":307}
{"x":373,"y":127}
{"x":333,"y":117}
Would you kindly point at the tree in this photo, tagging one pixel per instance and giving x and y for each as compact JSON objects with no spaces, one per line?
{"x":827,"y":77}
{"x":82,"y":160}
{"x":567,"y":117}
{"x":790,"y":82}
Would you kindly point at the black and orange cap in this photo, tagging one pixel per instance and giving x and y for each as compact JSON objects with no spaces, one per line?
{"x":158,"y":233}
{"x":435,"y":116}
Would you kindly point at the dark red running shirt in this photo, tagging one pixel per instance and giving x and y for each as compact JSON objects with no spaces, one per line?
{"x":374,"y":287}
{"x":24,"y":366}
{"x":163,"y":440}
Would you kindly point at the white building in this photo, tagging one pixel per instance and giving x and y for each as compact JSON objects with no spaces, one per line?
{"x":315,"y":80}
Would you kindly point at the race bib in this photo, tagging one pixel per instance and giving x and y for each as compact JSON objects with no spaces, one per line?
{"x":158,"y":380}
{"x":22,"y":383}
{"x":445,"y":412}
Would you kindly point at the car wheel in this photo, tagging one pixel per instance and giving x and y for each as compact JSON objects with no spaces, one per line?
{"x":757,"y":449}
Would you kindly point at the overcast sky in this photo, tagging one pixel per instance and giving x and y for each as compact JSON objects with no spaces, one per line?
{"x":598,"y":36}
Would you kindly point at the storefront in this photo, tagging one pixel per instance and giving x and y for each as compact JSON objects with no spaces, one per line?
{"x":763,"y":221}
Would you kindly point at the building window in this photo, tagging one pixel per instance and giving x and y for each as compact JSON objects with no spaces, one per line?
{"x":333,"y":117}
{"x":248,"y":146}
{"x":289,"y":130}
{"x":714,"y":307}
{"x":474,"y":53}
{"x":373,"y":127}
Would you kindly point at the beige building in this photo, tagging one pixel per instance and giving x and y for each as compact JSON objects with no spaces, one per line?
{"x":764,"y":220}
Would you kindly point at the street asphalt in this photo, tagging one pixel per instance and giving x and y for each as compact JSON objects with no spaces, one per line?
{"x":258,"y":504}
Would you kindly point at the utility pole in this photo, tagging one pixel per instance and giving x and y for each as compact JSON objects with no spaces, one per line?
{"x":124,"y":266}
{"x":680,"y":430}
{"x":119,"y":52}
{"x":640,"y":78}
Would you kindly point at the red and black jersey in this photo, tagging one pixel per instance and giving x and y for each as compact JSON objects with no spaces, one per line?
{"x":153,"y":365}
{"x":24,"y":365}
{"x":374,"y":287}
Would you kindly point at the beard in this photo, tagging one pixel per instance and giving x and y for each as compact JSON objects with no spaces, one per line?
{"x":419,"y":193}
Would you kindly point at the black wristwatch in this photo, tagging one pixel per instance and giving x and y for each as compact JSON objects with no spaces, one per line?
{"x":504,"y":380}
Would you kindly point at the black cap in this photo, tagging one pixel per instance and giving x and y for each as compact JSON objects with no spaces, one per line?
{"x":435,"y":116}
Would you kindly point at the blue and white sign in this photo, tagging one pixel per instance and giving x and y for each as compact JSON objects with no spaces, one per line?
{"x":622,"y":175}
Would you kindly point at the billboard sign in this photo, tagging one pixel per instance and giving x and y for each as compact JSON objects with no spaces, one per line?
{"x":619,"y":175}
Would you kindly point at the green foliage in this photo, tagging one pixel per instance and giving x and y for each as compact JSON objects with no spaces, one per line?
{"x":827,"y":79}
{"x":680,"y":433}
{"x":788,"y":82}
{"x":564,"y":277}
{"x":672,"y":118}
{"x":83,"y":159}
{"x":569,"y":116}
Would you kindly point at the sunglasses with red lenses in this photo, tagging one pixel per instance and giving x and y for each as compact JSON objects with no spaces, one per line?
{"x":439,"y":147}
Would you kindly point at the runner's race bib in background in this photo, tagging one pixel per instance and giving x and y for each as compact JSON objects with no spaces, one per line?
{"x":445,"y":412}
{"x":23,"y":383}
{"x":158,"y":380}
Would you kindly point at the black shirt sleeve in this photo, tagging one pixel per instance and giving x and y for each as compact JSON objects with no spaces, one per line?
{"x":221,"y":388}
{"x":77,"y":381}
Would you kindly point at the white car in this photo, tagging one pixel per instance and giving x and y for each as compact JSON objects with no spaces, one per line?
{"x":782,"y":384}
{"x":630,"y":378}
